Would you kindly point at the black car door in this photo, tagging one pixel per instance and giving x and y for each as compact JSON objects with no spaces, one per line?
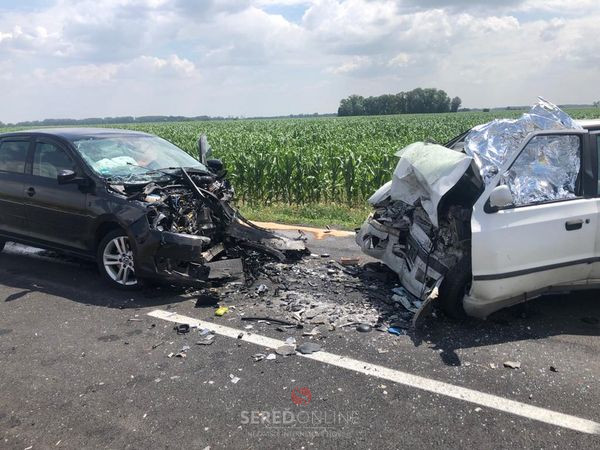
{"x":13,"y":156}
{"x":56,"y":213}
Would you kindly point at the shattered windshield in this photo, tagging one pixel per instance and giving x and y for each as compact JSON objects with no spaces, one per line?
{"x":132,"y":157}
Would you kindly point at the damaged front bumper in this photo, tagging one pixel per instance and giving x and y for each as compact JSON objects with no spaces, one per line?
{"x":185,"y":259}
{"x":406,"y":251}
{"x":187,"y":224}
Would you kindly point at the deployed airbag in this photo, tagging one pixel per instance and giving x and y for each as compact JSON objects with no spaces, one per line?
{"x":425,"y":172}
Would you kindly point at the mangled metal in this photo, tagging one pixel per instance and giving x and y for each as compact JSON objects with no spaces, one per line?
{"x":403,"y":237}
{"x":426,"y":172}
{"x":421,"y":223}
{"x":189,"y":223}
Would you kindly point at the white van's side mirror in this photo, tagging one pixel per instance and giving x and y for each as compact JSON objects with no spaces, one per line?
{"x":501,"y":197}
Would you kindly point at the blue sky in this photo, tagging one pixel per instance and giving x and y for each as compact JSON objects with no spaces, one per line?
{"x":90,"y":58}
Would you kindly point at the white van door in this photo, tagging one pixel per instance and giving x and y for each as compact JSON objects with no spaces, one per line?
{"x":547,"y":236}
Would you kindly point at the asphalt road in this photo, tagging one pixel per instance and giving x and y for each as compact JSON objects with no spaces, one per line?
{"x":86,"y":366}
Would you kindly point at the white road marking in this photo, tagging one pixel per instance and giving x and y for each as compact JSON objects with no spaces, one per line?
{"x":407,"y":379}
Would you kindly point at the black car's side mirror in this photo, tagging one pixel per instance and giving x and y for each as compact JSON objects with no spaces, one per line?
{"x":66,"y":177}
{"x":215,"y":165}
{"x":70,"y":177}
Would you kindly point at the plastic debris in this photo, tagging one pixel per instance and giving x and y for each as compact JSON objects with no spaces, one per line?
{"x":308,"y":347}
{"x":400,"y":291}
{"x":271,"y":356}
{"x":233,"y":378}
{"x":512,"y":364}
{"x":285,"y":350}
{"x":262,"y":289}
{"x":403,"y":301}
{"x":258,"y":357}
{"x":181,"y":353}
{"x":347,"y":261}
{"x":364,"y":328}
{"x":314,"y":332}
{"x":207,"y":339}
{"x":290,"y":340}
{"x":221,"y":310}
{"x":396,"y":331}
{"x":182,"y":328}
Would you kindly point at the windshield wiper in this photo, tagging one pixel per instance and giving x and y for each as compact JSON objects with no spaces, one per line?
{"x":149,"y":171}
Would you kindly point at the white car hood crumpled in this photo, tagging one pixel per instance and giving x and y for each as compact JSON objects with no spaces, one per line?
{"x":425,"y":172}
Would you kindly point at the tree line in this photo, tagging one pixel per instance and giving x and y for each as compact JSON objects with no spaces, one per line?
{"x":110,"y":120}
{"x":418,"y":100}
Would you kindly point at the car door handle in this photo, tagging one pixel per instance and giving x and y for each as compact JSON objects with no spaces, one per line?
{"x":30,"y":191}
{"x":573,"y":225}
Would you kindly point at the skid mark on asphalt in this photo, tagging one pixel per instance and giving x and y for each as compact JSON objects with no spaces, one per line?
{"x":437,"y":387}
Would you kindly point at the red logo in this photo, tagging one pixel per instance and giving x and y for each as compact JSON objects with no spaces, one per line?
{"x":301,"y":396}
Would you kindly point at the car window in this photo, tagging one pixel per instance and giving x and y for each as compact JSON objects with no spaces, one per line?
{"x":49,"y":160}
{"x":547,"y":169}
{"x":13,"y":155}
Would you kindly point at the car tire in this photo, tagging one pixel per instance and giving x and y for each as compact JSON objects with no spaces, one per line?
{"x":115,"y":261}
{"x":454,"y":287}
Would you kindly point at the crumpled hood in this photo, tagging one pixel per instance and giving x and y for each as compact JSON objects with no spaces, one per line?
{"x":425,"y":172}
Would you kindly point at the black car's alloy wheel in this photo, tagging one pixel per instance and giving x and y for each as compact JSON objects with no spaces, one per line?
{"x":115,"y":260}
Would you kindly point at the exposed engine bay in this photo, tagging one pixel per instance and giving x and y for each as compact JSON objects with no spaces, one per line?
{"x":189,"y":223}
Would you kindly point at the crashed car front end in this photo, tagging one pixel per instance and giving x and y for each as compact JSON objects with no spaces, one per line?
{"x":421,"y":223}
{"x":188,"y":223}
{"x":412,"y":230}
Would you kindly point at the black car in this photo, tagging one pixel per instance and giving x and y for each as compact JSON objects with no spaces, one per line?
{"x":137,"y":204}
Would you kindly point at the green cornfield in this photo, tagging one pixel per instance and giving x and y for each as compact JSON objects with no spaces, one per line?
{"x":321,"y":160}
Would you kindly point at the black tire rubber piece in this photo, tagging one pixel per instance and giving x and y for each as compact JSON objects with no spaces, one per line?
{"x":103,"y":243}
{"x":2,"y":244}
{"x":454,"y":288}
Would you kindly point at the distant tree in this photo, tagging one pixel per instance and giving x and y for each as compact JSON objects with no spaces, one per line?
{"x":597,"y":104}
{"x":352,"y":106}
{"x":418,"y":100}
{"x":455,"y":104}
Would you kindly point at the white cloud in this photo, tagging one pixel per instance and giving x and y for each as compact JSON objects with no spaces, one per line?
{"x":400,"y":60}
{"x":230,"y":57}
{"x":353,"y":65}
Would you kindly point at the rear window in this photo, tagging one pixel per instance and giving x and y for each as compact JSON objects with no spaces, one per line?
{"x":13,"y":155}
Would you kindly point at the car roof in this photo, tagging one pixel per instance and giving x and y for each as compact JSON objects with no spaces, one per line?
{"x":73,"y":134}
{"x":590,"y":124}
